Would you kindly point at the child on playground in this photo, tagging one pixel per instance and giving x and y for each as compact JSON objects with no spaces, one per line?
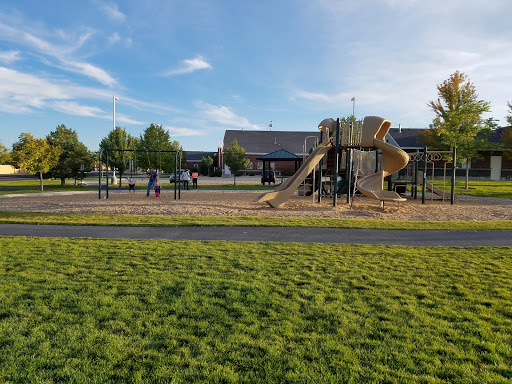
{"x":131,"y":185}
{"x":157,"y":190}
{"x":195,"y":175}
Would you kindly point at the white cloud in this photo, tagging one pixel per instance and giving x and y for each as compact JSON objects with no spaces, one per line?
{"x":223,"y":115}
{"x":20,"y":92}
{"x":182,"y":132}
{"x":189,"y":66}
{"x":112,"y":11}
{"x":64,"y":53}
{"x":73,"y":108}
{"x":9,"y":57}
{"x":114,"y":38}
{"x":121,"y":118}
{"x":91,"y":71}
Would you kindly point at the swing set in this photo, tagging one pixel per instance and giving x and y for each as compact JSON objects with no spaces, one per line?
{"x":177,"y":185}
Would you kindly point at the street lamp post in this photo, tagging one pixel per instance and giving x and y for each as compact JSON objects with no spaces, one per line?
{"x":114,"y":98}
{"x":353,"y":100}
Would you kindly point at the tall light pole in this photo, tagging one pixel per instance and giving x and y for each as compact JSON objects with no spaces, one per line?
{"x":114,"y":98}
{"x":353,"y":100}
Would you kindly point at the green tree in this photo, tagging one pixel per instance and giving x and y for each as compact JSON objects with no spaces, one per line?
{"x":73,"y":154}
{"x":235,"y":159}
{"x":5,"y":157}
{"x":119,"y":139}
{"x":155,"y":137}
{"x":506,"y":135}
{"x":206,"y":164}
{"x":458,"y":119}
{"x":35,"y":156}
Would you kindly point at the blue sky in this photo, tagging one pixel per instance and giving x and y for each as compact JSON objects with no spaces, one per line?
{"x":199,"y":67}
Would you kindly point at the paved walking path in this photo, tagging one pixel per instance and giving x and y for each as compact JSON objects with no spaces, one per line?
{"x":282,"y":234}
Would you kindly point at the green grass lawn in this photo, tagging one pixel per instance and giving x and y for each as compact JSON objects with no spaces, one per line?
{"x":39,"y":218}
{"x":493,"y":189}
{"x":96,"y":311}
{"x":476,"y":188}
{"x":33,"y":186}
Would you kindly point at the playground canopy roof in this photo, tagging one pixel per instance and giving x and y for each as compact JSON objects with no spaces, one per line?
{"x":280,"y":155}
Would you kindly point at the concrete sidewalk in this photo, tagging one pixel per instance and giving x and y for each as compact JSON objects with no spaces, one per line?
{"x":265,"y":234}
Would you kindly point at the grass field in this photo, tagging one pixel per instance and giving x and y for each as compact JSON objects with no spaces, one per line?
{"x":14,"y":217}
{"x":95,"y":311}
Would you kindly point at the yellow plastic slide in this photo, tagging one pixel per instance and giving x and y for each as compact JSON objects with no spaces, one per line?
{"x":394,"y":159}
{"x":283,"y":192}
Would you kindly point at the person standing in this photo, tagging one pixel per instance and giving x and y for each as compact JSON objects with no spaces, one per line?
{"x":153,"y":179}
{"x":195,"y":176}
{"x":185,"y":176}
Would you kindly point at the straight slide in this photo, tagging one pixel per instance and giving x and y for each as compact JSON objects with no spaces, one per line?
{"x":283,"y":192}
{"x":432,"y":188}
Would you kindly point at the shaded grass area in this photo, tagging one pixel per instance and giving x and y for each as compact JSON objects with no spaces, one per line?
{"x":14,"y":217}
{"x":86,"y":311}
{"x":32,"y":186}
{"x":476,"y":188}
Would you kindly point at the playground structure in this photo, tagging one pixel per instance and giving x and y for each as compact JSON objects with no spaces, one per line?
{"x":370,"y":135}
{"x":359,"y":145}
{"x":283,"y":192}
{"x":394,"y":159}
{"x":177,"y":185}
{"x":417,"y":177}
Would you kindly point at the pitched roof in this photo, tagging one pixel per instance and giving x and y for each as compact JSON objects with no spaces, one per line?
{"x":281,"y":154}
{"x":263,"y":142}
{"x":408,"y":137}
{"x":198,"y":155}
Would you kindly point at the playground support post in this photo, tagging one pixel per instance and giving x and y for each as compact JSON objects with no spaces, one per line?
{"x":454,"y":167}
{"x":336,"y":158}
{"x":424,"y":186}
{"x":348,"y":174}
{"x":320,"y":165}
{"x":107,"y":175}
{"x":99,"y":175}
{"x":414,"y":189}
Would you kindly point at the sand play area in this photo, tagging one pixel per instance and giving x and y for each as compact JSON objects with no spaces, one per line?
{"x":240,"y":203}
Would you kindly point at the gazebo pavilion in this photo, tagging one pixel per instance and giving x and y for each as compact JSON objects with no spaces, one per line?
{"x":280,"y":155}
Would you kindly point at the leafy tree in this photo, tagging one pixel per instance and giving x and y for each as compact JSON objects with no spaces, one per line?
{"x":506,"y":135}
{"x":35,"y":156}
{"x":73,"y":154}
{"x":506,"y":141}
{"x":4,"y":154}
{"x":119,"y":139}
{"x":206,"y":164}
{"x":155,"y":137}
{"x":235,"y":159}
{"x":458,"y":119}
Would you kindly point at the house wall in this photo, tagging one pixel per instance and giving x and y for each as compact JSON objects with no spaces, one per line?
{"x":287,"y":168}
{"x":7,"y":170}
